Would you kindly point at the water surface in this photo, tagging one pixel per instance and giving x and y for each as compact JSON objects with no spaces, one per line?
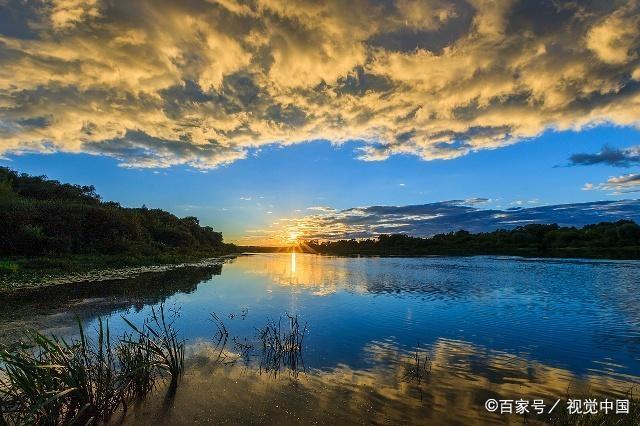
{"x":491,"y":327}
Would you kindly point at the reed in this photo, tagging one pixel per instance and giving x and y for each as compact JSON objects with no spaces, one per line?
{"x":49,"y":381}
{"x":282,"y":346}
{"x":418,"y":368}
{"x":158,"y":339}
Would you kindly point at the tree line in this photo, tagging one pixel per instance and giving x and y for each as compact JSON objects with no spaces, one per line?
{"x":40,"y":216}
{"x":613,"y":240}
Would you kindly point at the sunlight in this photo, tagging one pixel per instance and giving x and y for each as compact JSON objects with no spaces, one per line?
{"x":293,"y":262}
{"x":293,"y":236}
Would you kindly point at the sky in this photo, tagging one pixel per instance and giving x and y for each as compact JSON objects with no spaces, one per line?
{"x":272,"y":120}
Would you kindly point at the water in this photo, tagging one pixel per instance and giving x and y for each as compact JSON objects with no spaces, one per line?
{"x":492,"y":327}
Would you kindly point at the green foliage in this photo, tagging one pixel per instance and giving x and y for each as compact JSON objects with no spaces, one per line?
{"x":617,"y":240}
{"x":8,"y":268}
{"x":40,"y":217}
{"x":50,"y":381}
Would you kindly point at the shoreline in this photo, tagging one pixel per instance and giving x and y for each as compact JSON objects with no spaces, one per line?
{"x":99,"y":268}
{"x":35,"y":279}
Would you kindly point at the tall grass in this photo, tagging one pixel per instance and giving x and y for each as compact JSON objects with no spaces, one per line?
{"x":159,"y":340}
{"x":51,"y":381}
{"x":47,"y":380}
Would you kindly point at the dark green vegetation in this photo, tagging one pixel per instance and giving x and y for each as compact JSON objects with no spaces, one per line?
{"x":618,"y":240}
{"x":48,"y":226}
{"x":47,"y":380}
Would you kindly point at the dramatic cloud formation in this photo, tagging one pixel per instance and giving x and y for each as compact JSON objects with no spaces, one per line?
{"x":447,"y":216}
{"x":610,"y":156}
{"x":201,"y":82}
{"x":617,"y":184}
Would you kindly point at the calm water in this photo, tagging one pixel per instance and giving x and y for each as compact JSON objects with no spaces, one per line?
{"x":492,"y":327}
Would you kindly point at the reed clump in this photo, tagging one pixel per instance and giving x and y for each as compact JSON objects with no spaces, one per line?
{"x":49,"y":381}
{"x":158,"y":340}
{"x":282,"y":345}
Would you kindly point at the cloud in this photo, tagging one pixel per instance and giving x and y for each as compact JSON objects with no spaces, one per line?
{"x":475,"y":201}
{"x":618,"y":184}
{"x":447,"y":216}
{"x":321,"y":208}
{"x":137,"y":149}
{"x":610,"y":156}
{"x":207,"y":82}
{"x":65,"y":14}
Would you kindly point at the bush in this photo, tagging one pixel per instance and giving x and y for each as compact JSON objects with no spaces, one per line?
{"x":8,"y":268}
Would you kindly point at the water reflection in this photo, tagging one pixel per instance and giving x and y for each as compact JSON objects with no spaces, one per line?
{"x":56,"y":309}
{"x":462,"y":377}
{"x":293,"y":263}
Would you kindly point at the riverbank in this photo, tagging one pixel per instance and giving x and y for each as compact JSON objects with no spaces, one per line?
{"x":28,"y":273}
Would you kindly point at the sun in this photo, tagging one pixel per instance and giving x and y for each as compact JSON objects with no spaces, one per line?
{"x":292,"y":237}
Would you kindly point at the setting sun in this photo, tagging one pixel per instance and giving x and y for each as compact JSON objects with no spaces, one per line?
{"x":292,"y":237}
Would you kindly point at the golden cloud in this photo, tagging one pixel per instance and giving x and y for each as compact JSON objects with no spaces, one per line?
{"x":159,"y":83}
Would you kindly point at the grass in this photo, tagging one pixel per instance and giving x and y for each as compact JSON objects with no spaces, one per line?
{"x":50,"y":381}
{"x":159,"y":340}
{"x":282,"y":346}
{"x":47,"y":380}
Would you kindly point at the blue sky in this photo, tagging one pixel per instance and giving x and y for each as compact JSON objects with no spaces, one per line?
{"x":286,"y":181}
{"x":246,"y":113}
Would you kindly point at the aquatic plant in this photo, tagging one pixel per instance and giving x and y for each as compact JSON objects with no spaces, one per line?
{"x":159,"y":339}
{"x":418,"y":368}
{"x":282,"y":346}
{"x":47,"y":380}
{"x":221,"y":337}
{"x":137,"y":366}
